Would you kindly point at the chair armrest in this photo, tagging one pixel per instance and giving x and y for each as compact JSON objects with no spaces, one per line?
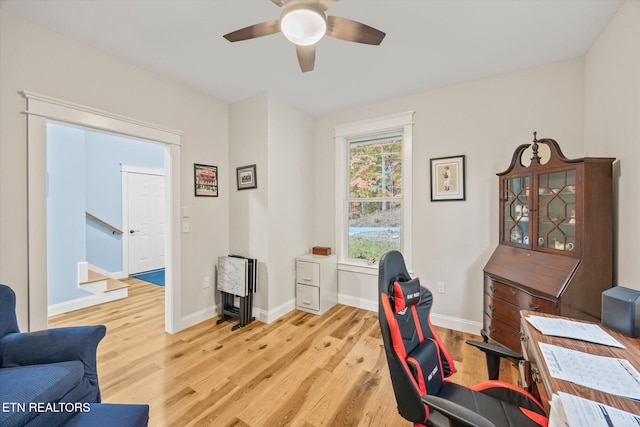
{"x":493,"y":353}
{"x":458,"y":414}
{"x":53,"y":345}
{"x":496,"y":350}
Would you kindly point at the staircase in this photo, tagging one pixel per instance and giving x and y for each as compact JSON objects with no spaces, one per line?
{"x":101,"y":289}
{"x":96,"y":283}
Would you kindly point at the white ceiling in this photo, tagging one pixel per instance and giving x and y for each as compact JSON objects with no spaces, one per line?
{"x":430,"y":44}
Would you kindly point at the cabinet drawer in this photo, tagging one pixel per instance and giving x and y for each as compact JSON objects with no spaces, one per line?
{"x":308,"y":297}
{"x":308,"y":273}
{"x":502,"y":311}
{"x":502,"y":333}
{"x":518,"y":297}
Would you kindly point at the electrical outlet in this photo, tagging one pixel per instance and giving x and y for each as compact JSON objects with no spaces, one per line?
{"x":205,"y":283}
{"x":441,"y":288}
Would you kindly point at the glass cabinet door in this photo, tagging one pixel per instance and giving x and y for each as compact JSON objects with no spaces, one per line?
{"x":557,"y":211}
{"x":515,"y":210}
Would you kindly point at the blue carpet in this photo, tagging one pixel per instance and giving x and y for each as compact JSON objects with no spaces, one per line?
{"x":156,"y":277}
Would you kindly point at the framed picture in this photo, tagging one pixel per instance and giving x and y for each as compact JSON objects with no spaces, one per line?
{"x":246,"y":177}
{"x":447,"y":178}
{"x":205,"y":180}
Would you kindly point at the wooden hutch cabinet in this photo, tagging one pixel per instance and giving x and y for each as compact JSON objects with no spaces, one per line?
{"x":555,"y":253}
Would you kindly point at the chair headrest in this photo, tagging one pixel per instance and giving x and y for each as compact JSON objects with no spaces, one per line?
{"x":391,"y":269}
{"x":406,"y":294}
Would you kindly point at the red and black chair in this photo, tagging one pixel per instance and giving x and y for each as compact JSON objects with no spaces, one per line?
{"x":419,"y":363}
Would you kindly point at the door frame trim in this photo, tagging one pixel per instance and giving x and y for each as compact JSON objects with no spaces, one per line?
{"x":125,"y":170}
{"x":42,"y":109}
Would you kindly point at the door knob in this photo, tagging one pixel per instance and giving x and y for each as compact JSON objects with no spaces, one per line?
{"x":133,"y":231}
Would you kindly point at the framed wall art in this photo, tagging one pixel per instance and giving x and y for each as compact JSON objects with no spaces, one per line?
{"x":205,"y":180}
{"x":246,"y":177}
{"x":447,"y":178}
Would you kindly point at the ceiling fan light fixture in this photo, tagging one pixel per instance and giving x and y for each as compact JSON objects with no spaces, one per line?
{"x":303,"y":26}
{"x":304,"y":23}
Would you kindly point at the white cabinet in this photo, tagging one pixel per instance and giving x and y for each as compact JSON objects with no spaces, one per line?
{"x":316,"y":283}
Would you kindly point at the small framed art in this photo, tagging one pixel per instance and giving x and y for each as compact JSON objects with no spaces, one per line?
{"x":246,"y":177}
{"x":447,"y":178}
{"x":205,"y":180}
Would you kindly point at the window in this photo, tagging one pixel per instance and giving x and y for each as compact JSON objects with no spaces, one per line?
{"x":373,"y":188}
{"x":375,"y":197}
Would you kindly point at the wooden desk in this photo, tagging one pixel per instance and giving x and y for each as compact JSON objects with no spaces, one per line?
{"x":543,"y":385}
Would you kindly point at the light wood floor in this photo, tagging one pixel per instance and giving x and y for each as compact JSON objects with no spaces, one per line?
{"x":301,"y":370}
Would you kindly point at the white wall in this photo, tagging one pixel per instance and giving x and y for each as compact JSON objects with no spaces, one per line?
{"x":485,"y":120}
{"x":36,"y":59}
{"x":612,"y":127}
{"x":273,"y":223}
{"x":249,"y":208}
{"x":66,"y":206}
{"x":291,"y":213}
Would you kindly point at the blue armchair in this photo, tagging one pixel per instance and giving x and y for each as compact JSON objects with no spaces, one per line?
{"x":49,"y":378}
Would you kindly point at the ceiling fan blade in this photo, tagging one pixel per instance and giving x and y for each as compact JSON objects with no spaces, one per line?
{"x":353,"y":31}
{"x":326,"y":4}
{"x":253,"y":31}
{"x":280,"y":3}
{"x":306,"y":57}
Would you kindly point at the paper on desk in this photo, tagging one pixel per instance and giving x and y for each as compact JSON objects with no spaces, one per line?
{"x":576,"y":330}
{"x":557,"y":417}
{"x":573,"y":411}
{"x":608,"y":374}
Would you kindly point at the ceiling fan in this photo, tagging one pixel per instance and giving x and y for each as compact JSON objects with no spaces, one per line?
{"x":304,"y":23}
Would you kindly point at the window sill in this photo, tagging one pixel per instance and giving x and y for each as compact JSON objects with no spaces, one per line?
{"x":361,"y":268}
{"x":371,"y":270}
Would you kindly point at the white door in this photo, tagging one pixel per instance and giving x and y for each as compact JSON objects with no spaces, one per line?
{"x":146,"y":222}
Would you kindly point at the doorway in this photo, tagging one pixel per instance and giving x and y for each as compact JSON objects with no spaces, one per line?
{"x":89,"y":196}
{"x":42,"y":110}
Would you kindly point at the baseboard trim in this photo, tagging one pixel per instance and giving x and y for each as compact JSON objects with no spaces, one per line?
{"x":365,"y":304}
{"x":88,"y":301}
{"x":271,"y":315}
{"x":441,"y":320}
{"x":261,"y":315}
{"x":265,"y":316}
{"x":197,"y":317}
{"x":456,"y":323}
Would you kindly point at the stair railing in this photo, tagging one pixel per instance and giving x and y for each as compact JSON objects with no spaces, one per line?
{"x":114,"y":230}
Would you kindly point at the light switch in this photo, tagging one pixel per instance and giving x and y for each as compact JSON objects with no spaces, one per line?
{"x":185,"y":212}
{"x":185,"y":226}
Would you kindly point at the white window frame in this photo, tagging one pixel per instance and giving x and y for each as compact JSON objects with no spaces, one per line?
{"x":400,"y":123}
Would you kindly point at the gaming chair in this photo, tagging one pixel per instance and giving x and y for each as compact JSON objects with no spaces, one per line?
{"x":419,"y":363}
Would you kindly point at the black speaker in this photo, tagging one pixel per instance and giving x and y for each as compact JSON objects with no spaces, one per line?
{"x":621,"y":310}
